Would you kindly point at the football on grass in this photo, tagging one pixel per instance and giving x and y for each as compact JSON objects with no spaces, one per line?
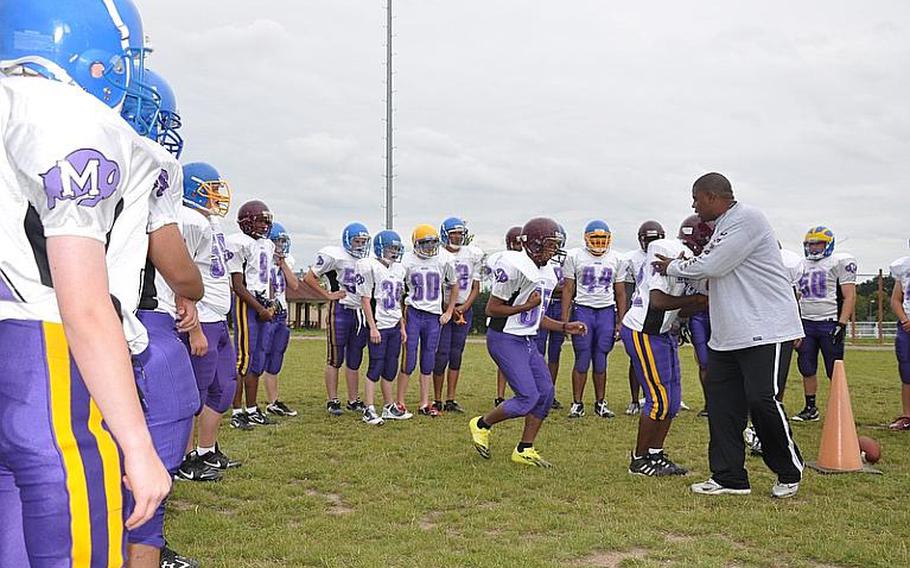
{"x":869,"y":449}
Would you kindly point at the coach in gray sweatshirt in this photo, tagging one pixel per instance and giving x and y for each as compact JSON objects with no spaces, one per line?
{"x":754,"y":320}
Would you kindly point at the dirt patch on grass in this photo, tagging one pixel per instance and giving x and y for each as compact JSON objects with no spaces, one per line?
{"x":610,"y":559}
{"x":429,"y":521}
{"x":676,"y":538}
{"x":337,"y":506}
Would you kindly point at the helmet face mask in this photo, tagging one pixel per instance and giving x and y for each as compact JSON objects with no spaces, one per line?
{"x":454,"y":233}
{"x":281,"y":238}
{"x":356,"y":240}
{"x":598,"y":237}
{"x":255,"y":219}
{"x":695,"y":233}
{"x":427,"y":247}
{"x":818,"y":243}
{"x":204,"y":190}
{"x":513,"y":239}
{"x":542,"y":240}
{"x":387,"y":247}
{"x":648,"y":232}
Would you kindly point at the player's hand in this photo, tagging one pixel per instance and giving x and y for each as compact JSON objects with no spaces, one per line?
{"x":459,"y":310}
{"x":444,"y":318}
{"x":375,"y":336}
{"x":199,"y":345}
{"x":906,"y":325}
{"x":838,"y":333}
{"x":533,"y":301}
{"x":148,"y":481}
{"x":616,"y":333}
{"x":187,"y":316}
{"x":576,"y":328}
{"x":660,"y":265}
{"x":337,"y":295}
{"x":265,"y":314}
{"x":404,"y":336}
{"x":458,"y":317}
{"x":797,"y":343}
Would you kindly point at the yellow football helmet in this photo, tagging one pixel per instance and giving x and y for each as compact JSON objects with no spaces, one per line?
{"x":425,"y":239}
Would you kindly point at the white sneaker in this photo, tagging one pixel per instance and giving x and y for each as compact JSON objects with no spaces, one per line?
{"x":371,"y":418}
{"x":784,"y":490}
{"x":752,"y":441}
{"x":577,"y":410}
{"x":711,"y":487}
{"x":395,"y":412}
{"x":633,"y":409}
{"x":601,"y":409}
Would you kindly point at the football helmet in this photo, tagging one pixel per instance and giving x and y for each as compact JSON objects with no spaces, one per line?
{"x":142,"y":102}
{"x":454,"y":233}
{"x":356,"y":240}
{"x":560,"y":256}
{"x":541,"y":239}
{"x":281,"y":238}
{"x":204,"y":189}
{"x":255,"y":219}
{"x":598,"y":237}
{"x":425,"y":240}
{"x":83,"y":43}
{"x":388,"y":246}
{"x":695,"y":233}
{"x":513,"y":238}
{"x":650,"y":231}
{"x":164,"y":131}
{"x":818,"y":243}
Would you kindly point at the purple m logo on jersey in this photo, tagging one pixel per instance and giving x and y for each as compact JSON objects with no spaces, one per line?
{"x":162,"y":184}
{"x":85,"y":176}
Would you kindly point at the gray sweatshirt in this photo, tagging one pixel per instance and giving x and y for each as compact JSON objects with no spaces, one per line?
{"x":752,"y":301}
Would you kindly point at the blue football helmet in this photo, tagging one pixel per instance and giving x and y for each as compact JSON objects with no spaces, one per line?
{"x":388,"y":246}
{"x":142,"y":102}
{"x":83,"y":43}
{"x":598,"y":237}
{"x":356,"y":240}
{"x":457,"y":226}
{"x":164,"y":131}
{"x":281,"y":238}
{"x":203,"y":189}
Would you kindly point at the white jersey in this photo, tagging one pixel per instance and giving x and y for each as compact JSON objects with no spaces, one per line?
{"x":468,"y":265}
{"x":425,"y":280}
{"x":820,"y":284}
{"x":340,"y":269}
{"x":793,"y":264}
{"x":252,"y":258}
{"x":385,"y":285}
{"x":641,"y":316}
{"x":635,"y":263}
{"x":279,"y":282}
{"x":70,"y":167}
{"x":516,"y":277}
{"x":900,"y":271}
{"x":594,"y":276}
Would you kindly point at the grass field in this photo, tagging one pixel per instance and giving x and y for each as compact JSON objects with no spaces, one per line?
{"x":323,"y":491}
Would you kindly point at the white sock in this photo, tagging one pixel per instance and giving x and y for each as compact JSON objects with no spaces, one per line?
{"x":251,"y":409}
{"x":653,"y":451}
{"x":203,"y":451}
{"x":236,"y":411}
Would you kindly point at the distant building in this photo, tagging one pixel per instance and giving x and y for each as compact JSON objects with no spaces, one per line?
{"x":307,"y":308}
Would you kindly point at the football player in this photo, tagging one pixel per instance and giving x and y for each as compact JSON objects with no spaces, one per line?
{"x":524,"y":283}
{"x":427,"y":272}
{"x":72,"y":170}
{"x":634,"y":272}
{"x":207,"y":200}
{"x":900,"y":304}
{"x":827,"y":298}
{"x":549,"y":341}
{"x":278,"y":335}
{"x":380,"y":285}
{"x":346,"y":335}
{"x":248,"y":262}
{"x":595,"y":293}
{"x":468,"y":262}
{"x":512,"y":243}
{"x":646,"y":333}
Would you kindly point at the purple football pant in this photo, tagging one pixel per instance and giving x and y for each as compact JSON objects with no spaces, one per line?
{"x":526,"y":373}
{"x":164,"y":375}
{"x":594,"y":346}
{"x":549,"y":343}
{"x":422,"y":327}
{"x":279,"y":336}
{"x":347,"y":336}
{"x":700,"y":326}
{"x":384,"y":355}
{"x":902,"y":349}
{"x":818,"y":338}
{"x":452,"y":339}
{"x":656,"y":362}
{"x":247,"y":334}
{"x":12,"y":538}
{"x":216,"y":371}
{"x":55,"y":445}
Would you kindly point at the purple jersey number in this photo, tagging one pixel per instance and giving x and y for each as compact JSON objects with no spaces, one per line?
{"x":814,"y":284}
{"x":217,"y":269}
{"x":349,"y":281}
{"x":425,"y":286}
{"x":591,"y":280}
{"x":391,"y":294}
{"x":279,"y":285}
{"x":530,"y":317}
{"x":263,"y":267}
{"x":462,"y":272}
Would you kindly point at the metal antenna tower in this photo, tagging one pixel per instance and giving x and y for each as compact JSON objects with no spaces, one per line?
{"x":389,"y":199}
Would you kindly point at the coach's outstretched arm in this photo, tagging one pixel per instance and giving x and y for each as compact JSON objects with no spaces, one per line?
{"x":723,"y":253}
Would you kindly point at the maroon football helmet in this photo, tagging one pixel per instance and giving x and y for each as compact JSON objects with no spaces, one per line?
{"x":650,"y":231}
{"x":542,"y":239}
{"x":255,"y":219}
{"x":513,"y":240}
{"x":695,"y":233}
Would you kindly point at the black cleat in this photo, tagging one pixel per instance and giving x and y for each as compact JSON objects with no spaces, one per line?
{"x":218,"y":460}
{"x":497,"y":401}
{"x":665,"y":462}
{"x":241,"y":421}
{"x":647,"y":467}
{"x":356,"y":406}
{"x":556,"y":405}
{"x":170,"y":559}
{"x":808,"y":414}
{"x":194,"y":469}
{"x":453,"y":406}
{"x":258,"y":418}
{"x":279,"y":408}
{"x":333,"y":407}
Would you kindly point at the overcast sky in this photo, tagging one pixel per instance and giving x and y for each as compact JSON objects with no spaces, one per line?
{"x":509,"y":109}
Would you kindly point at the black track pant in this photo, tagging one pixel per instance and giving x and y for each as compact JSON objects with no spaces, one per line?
{"x":747,"y":382}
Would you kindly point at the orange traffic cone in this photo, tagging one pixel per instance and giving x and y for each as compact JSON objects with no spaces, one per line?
{"x":839,"y":448}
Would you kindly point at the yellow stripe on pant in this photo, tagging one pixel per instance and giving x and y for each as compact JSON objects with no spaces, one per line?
{"x":652,"y":376}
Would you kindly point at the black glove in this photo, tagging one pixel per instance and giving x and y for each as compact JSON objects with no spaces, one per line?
{"x":684,"y":334}
{"x":838,"y":333}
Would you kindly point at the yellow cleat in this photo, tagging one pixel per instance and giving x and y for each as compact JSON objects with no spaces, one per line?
{"x":529,"y":457}
{"x":480,"y":437}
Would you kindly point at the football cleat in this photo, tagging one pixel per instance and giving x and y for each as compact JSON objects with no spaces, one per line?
{"x":647,"y":467}
{"x":601,"y":409}
{"x":480,"y":437}
{"x":333,"y":407}
{"x":711,"y":487}
{"x":437,"y":405}
{"x":556,"y":405}
{"x":633,"y":409}
{"x":671,"y":468}
{"x":279,"y":408}
{"x":900,"y":423}
{"x":497,"y":401}
{"x":355,"y":405}
{"x":194,"y":469}
{"x":218,"y":460}
{"x":428,"y":410}
{"x":750,"y":437}
{"x":529,"y":456}
{"x":808,"y":414}
{"x":577,"y":410}
{"x":395,"y":412}
{"x":453,"y":406}
{"x":370,"y":417}
{"x":258,"y":418}
{"x":170,"y":559}
{"x":784,"y":490}
{"x":241,"y":421}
